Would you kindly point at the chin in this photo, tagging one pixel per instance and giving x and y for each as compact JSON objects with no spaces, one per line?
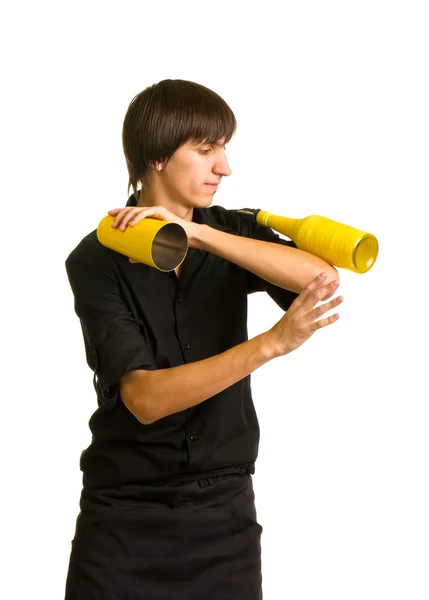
{"x":204,"y":201}
{"x":209,"y":201}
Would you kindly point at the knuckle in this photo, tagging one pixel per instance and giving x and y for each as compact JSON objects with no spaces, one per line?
{"x":317,"y":295}
{"x":320,"y":311}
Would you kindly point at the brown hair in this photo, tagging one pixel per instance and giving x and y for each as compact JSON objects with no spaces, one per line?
{"x":166,"y":115}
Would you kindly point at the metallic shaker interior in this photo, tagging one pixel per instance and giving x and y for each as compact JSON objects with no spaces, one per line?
{"x":169,"y":247}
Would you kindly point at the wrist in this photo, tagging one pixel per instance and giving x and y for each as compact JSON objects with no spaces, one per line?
{"x":196,"y":236}
{"x":268,"y":346}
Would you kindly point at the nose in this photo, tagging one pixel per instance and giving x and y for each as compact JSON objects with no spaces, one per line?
{"x":221,"y":166}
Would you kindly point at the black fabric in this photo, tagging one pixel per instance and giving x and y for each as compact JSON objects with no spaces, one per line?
{"x":196,"y":540}
{"x":136,"y":317}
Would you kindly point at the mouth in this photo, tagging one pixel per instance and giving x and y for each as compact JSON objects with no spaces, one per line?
{"x":212,"y":186}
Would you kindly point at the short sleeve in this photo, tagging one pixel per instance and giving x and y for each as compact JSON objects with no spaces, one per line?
{"x":283,"y":298}
{"x":114,"y":342}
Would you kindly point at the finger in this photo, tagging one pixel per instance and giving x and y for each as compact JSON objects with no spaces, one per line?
{"x":119,"y":215}
{"x":330,"y":293}
{"x":314,"y":291}
{"x":323,"y":292}
{"x":313,"y":285}
{"x":130,"y":216}
{"x":298,"y":307}
{"x":312,"y":319}
{"x":324,"y":308}
{"x":155,"y":212}
{"x":143,"y":214}
{"x":327,"y":321}
{"x":136,"y":215}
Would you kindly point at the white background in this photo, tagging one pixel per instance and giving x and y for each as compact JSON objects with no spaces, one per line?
{"x":332,"y":104}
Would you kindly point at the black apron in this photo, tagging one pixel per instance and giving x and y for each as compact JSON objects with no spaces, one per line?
{"x":194,"y":540}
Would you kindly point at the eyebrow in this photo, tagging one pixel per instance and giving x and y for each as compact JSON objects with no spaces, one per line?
{"x":218,"y":144}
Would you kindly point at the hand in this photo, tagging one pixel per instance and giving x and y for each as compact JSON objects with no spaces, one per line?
{"x":131,"y":215}
{"x":300,"y":321}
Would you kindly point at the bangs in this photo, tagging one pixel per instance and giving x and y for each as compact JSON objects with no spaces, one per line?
{"x":193,"y":112}
{"x":208,"y":123}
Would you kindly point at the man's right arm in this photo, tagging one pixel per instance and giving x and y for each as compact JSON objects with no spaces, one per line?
{"x":152,"y":395}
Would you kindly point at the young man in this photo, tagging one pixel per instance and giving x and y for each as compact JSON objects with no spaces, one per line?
{"x":167,"y":505}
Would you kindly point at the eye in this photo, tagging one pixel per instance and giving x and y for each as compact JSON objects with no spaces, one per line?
{"x":205,"y":150}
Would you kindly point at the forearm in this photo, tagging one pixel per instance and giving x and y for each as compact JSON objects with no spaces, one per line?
{"x":152,"y":395}
{"x":288,"y":268}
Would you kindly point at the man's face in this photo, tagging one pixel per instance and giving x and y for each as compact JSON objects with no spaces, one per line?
{"x":192,"y":175}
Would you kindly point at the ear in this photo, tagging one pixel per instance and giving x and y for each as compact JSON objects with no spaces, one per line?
{"x":158,"y":166}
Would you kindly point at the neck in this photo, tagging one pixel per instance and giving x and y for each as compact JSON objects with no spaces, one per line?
{"x":183,"y":212}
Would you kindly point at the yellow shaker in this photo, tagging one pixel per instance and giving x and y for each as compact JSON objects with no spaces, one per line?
{"x":155,"y":243}
{"x":339,"y":244}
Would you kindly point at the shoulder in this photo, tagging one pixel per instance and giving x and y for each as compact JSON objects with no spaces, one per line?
{"x":89,"y":254}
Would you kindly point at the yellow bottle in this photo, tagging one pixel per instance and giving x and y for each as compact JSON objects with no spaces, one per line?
{"x":340,"y":245}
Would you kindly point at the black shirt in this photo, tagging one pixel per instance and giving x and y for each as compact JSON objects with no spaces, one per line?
{"x":136,"y":317}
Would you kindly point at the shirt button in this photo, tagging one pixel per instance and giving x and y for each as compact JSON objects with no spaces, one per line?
{"x":179,"y":299}
{"x":187,"y":347}
{"x":193,"y":437}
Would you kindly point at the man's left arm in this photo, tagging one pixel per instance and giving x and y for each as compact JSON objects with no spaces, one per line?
{"x":279,"y":264}
{"x":270,"y":258}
